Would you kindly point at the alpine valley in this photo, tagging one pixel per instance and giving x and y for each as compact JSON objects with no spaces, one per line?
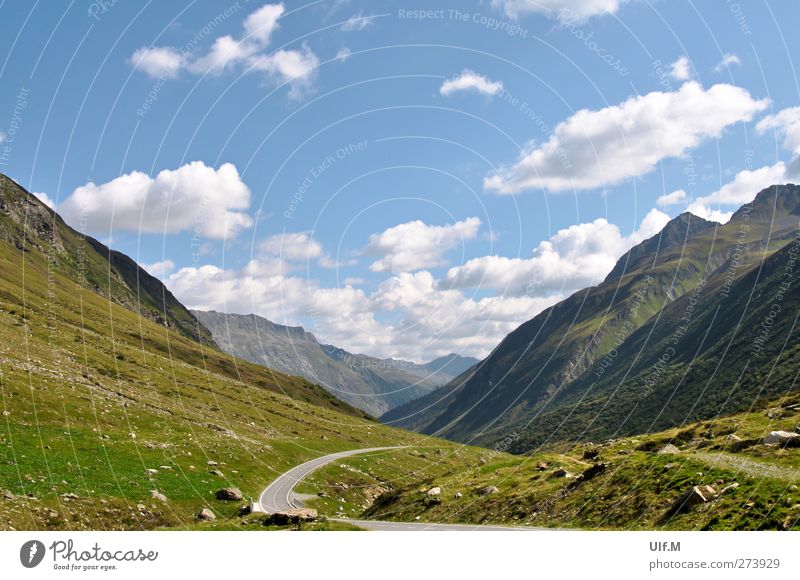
{"x":663,"y":398}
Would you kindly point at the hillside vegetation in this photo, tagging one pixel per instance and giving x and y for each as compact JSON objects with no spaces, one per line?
{"x":694,"y":322}
{"x":112,"y":420}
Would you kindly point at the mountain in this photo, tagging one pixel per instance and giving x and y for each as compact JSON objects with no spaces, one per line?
{"x":372,"y":384}
{"x":30,"y":226}
{"x":609,"y":361}
{"x":107,"y":402}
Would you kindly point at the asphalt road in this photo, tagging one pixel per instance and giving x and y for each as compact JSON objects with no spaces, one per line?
{"x":279,"y":496}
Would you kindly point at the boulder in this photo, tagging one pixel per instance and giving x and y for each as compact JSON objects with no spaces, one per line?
{"x":541,"y":466}
{"x":294,"y":516}
{"x":708,"y":491}
{"x":590,"y":454}
{"x":668,"y":449}
{"x":434,"y":491}
{"x":458,"y":495}
{"x":560,"y":473}
{"x":8,"y":495}
{"x":158,"y":495}
{"x":743,"y":444}
{"x":690,"y":498}
{"x":780,"y":437}
{"x":593,"y":471}
{"x":216,"y":472}
{"x":230,"y":494}
{"x":488,"y":490}
{"x":212,"y":463}
{"x":206,"y":515}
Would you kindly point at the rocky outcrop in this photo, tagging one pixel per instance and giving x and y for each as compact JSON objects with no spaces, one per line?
{"x":230,"y":494}
{"x":294,"y":516}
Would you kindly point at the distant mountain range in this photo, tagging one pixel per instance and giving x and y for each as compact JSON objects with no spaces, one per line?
{"x":372,"y":384}
{"x":697,"y":321}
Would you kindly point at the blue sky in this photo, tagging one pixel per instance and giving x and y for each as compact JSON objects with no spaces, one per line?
{"x":403,"y":180}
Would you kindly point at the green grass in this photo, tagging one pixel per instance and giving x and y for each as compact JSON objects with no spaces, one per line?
{"x":636,"y":492}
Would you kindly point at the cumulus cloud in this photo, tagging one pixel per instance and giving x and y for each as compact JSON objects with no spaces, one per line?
{"x":786,"y":124}
{"x":295,"y":66}
{"x":160,"y":269}
{"x":257,"y":288}
{"x":741,"y":190}
{"x":416,"y":245}
{"x":410,"y":314}
{"x":260,"y":25}
{"x":673,"y":198}
{"x":471,"y":81}
{"x":606,"y":146}
{"x":727,"y":61}
{"x":158,"y":62}
{"x":192,"y":197}
{"x":563,"y":9}
{"x":292,"y":246}
{"x":681,"y":69}
{"x":427,"y":322}
{"x":248,"y":50}
{"x":575,"y":257}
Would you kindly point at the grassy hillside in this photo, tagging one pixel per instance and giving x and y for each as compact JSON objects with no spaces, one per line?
{"x":641,"y":483}
{"x":572,"y":371}
{"x":101,"y":409}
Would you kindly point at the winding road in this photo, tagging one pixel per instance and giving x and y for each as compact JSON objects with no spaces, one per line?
{"x":279,"y":496}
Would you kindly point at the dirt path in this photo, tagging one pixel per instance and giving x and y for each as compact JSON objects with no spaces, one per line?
{"x":748,"y":466}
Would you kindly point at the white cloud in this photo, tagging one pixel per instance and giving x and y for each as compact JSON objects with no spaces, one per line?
{"x":357,"y":22}
{"x":673,"y":198}
{"x":743,"y":189}
{"x":726,"y":62}
{"x":343,"y":54}
{"x":228,"y":52}
{"x":428,"y":321}
{"x":295,"y":66}
{"x":192,"y":197}
{"x":563,"y":9}
{"x":297,"y":246}
{"x":604,"y":147}
{"x":786,"y":124}
{"x":408,"y":315}
{"x":681,"y":69}
{"x":256,"y":288}
{"x":225,"y":53}
{"x":260,"y":25}
{"x":45,"y":199}
{"x":470,"y":81}
{"x":416,"y":245}
{"x":160,"y":269}
{"x":158,"y":62}
{"x":573,"y":258}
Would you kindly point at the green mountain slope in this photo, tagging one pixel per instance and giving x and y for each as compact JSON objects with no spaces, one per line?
{"x":30,"y":226}
{"x":630,"y":483}
{"x":113,"y":420}
{"x":372,"y":384}
{"x":581,"y":350}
